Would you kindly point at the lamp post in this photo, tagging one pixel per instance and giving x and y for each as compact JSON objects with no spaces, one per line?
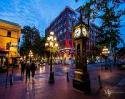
{"x":80,"y":35}
{"x":51,"y":45}
{"x":105,"y":52}
{"x":30,"y":55}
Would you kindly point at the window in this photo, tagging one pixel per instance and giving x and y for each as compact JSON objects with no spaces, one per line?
{"x":8,"y":33}
{"x":64,"y":29}
{"x":8,"y":45}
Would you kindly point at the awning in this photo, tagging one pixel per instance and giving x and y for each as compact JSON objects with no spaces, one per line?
{"x":1,"y":49}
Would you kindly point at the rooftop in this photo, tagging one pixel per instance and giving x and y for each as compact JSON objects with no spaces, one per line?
{"x":8,"y":22}
{"x":67,"y":7}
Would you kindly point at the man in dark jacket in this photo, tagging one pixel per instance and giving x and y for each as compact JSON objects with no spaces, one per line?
{"x":33,"y":69}
{"x":23,"y":66}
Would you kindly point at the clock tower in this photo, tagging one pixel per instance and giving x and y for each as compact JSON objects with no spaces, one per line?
{"x":80,"y":36}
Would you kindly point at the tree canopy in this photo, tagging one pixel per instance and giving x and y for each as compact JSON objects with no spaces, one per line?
{"x":109,"y":14}
{"x":31,"y":40}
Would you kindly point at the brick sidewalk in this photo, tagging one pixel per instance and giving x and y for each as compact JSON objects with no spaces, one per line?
{"x":40,"y":89}
{"x":113,"y":81}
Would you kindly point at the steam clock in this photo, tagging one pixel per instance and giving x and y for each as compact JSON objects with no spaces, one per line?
{"x":81,"y":79}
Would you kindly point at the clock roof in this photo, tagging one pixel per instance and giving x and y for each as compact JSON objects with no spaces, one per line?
{"x":79,"y":24}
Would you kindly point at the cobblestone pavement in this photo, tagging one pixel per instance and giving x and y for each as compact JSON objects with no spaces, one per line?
{"x":113,"y":85}
{"x":112,"y":81}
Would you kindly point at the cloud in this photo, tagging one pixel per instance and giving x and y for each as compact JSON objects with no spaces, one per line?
{"x":34,"y":12}
{"x":31,"y":12}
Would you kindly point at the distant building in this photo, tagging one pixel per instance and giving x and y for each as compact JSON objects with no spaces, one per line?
{"x":9,"y":37}
{"x":62,"y":26}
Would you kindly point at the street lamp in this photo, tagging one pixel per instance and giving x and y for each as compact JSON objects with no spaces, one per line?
{"x":52,"y":45}
{"x":105,"y":52}
{"x":80,"y":35}
{"x":30,"y":55}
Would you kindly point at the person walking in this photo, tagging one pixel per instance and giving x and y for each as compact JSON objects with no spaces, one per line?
{"x":28,"y":71}
{"x":23,"y":66}
{"x":33,"y":69}
{"x":7,"y":72}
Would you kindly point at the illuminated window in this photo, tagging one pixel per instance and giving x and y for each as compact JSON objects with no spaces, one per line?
{"x":8,"y":33}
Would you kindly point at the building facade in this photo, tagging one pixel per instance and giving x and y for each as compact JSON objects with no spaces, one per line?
{"x":62,"y":25}
{"x":9,"y":37}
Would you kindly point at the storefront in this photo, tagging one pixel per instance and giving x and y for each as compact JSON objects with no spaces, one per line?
{"x":66,"y":55}
{"x":3,"y":58}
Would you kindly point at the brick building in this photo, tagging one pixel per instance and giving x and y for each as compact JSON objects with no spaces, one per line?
{"x":62,"y":26}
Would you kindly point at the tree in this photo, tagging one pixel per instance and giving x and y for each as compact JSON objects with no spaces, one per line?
{"x":110,"y":17}
{"x":37,"y":43}
{"x":110,"y":33}
{"x":26,"y":41}
{"x":109,"y":13}
{"x":89,"y":13}
{"x":31,"y":40}
{"x":42,"y":50}
{"x":121,"y":52}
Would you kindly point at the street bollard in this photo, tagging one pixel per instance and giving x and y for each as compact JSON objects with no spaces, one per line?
{"x":67,"y":76}
{"x":11,"y":79}
{"x":6,"y":78}
{"x":99,"y":80}
{"x":6,"y":81}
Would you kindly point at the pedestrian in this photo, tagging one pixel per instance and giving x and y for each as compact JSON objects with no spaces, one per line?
{"x":23,"y":66}
{"x":11,"y":79}
{"x":67,"y":76}
{"x":33,"y":69}
{"x":6,"y":63}
{"x":28,"y":71}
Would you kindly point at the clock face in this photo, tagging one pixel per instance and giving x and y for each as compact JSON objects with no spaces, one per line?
{"x":77,"y":33}
{"x":84,"y":32}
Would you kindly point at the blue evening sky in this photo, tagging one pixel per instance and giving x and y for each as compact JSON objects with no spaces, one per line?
{"x":38,"y":12}
{"x":34,"y":12}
